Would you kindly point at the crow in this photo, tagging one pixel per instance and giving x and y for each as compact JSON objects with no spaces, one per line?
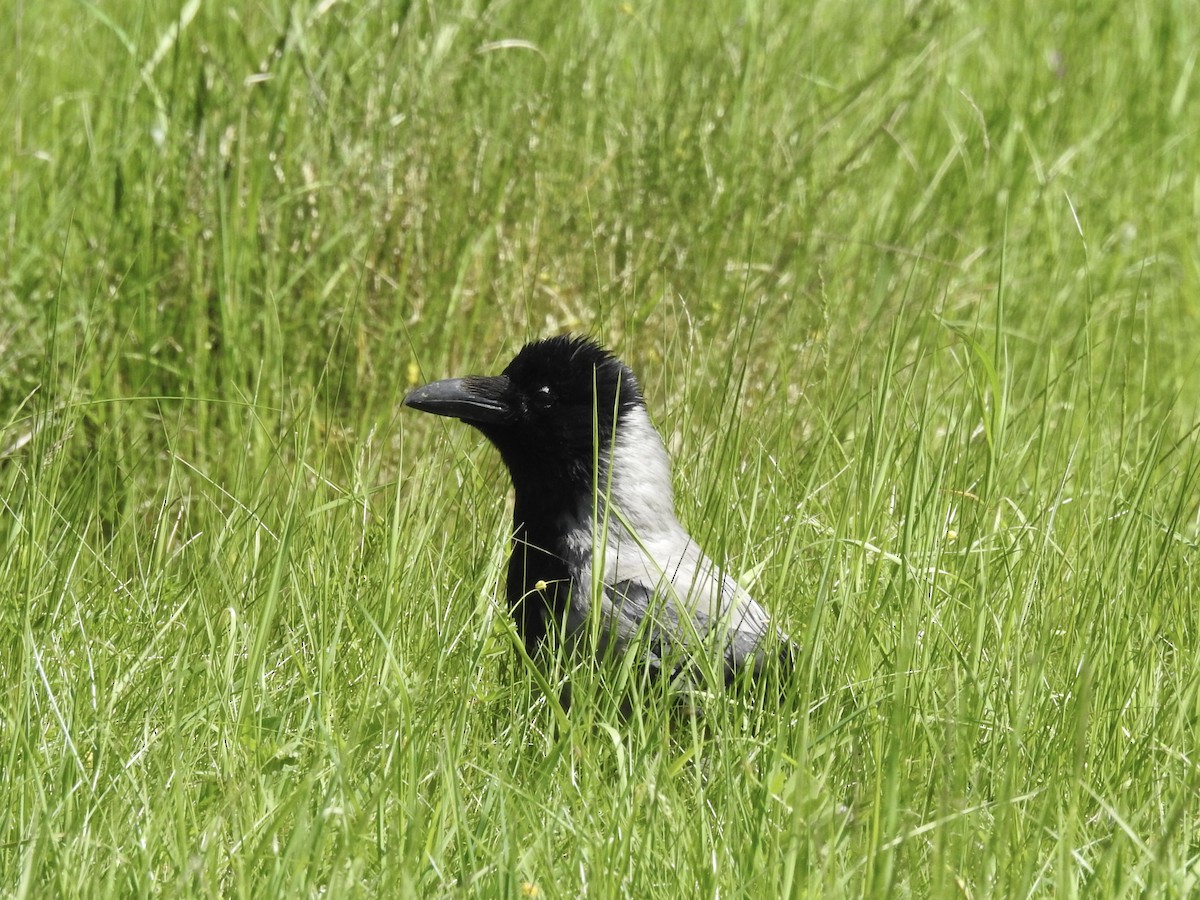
{"x":594,"y":520}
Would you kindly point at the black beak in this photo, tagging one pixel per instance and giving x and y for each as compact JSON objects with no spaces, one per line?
{"x":477,"y":399}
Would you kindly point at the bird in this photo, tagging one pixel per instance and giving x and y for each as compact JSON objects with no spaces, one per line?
{"x":594,"y":521}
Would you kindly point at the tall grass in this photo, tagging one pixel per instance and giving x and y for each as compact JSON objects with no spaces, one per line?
{"x":912,"y":293}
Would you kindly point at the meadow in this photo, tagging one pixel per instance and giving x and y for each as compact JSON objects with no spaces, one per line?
{"x":913,"y":291}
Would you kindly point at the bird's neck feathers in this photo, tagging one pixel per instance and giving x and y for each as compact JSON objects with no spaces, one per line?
{"x":638,"y":476}
{"x":631,"y":479}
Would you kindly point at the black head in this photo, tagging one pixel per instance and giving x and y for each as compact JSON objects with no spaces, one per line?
{"x":554,"y":405}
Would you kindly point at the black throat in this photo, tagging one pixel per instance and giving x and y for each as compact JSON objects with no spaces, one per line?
{"x":539,"y":579}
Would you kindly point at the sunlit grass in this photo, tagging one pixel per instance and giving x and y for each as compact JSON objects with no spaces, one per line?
{"x":912,"y":295}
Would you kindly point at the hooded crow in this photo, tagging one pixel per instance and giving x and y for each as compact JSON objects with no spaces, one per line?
{"x":594,"y":518}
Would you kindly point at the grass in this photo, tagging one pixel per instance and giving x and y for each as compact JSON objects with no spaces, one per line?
{"x":912,"y":292}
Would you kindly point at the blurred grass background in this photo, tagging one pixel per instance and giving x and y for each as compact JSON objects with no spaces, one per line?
{"x":912,"y":290}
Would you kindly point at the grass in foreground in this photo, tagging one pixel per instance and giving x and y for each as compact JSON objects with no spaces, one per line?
{"x":913,"y":292}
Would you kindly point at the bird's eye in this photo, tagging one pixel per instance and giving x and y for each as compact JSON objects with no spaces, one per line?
{"x":543,"y":396}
